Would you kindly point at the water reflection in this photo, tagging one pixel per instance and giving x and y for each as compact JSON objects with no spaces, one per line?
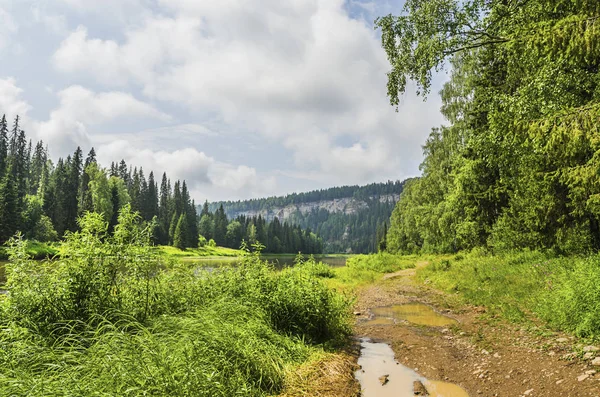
{"x":381,"y":375}
{"x":416,"y":313}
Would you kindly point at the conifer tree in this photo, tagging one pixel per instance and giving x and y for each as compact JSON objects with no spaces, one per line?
{"x":163,"y":211}
{"x":3,"y":146}
{"x":72,"y":193}
{"x":180,"y":237}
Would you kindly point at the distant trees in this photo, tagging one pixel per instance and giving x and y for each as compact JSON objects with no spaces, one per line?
{"x":44,"y":200}
{"x":276,"y":237}
{"x":356,"y":231}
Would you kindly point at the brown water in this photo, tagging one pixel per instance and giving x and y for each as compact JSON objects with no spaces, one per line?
{"x":416,"y":313}
{"x":377,"y":360}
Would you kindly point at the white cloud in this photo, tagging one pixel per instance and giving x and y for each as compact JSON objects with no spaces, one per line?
{"x":11,"y":102}
{"x":203,"y":174}
{"x":98,"y":57}
{"x":79,"y":108}
{"x":301,"y":73}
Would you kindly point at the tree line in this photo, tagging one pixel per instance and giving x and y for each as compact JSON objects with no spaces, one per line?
{"x":276,"y":237}
{"x":269,"y":203}
{"x":355,"y":231}
{"x":518,"y":163}
{"x":348,"y":233}
{"x":44,"y":200}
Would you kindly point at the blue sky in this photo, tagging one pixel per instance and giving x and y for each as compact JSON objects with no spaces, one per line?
{"x":242,"y":98}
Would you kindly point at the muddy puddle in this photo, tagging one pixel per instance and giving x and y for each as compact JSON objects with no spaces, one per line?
{"x":415,"y":313}
{"x":382,"y":376}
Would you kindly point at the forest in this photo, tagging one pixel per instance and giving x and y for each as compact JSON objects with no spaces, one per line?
{"x":517,"y":164}
{"x":356,"y":231}
{"x":276,"y":237}
{"x":43,"y":200}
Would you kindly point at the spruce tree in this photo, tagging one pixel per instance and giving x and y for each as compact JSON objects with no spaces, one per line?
{"x":72,"y":193}
{"x":85,"y":195}
{"x":180,"y":237}
{"x":163,"y":211}
{"x":3,"y":146}
{"x":172,"y":227}
{"x":9,"y":214}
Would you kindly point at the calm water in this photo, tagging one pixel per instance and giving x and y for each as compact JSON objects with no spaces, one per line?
{"x":380,"y":375}
{"x":278,"y":261}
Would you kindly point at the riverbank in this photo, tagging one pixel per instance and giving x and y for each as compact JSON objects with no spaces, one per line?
{"x":497,"y":343}
{"x":109,"y":319}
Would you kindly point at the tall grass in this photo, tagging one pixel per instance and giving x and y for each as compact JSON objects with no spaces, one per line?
{"x":364,"y":269}
{"x":563,"y":291}
{"x":111,"y":318}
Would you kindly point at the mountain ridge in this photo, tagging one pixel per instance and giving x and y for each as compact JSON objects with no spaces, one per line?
{"x":346,"y":217}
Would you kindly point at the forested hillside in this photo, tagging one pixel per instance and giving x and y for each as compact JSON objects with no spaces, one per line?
{"x":346,"y":218}
{"x":518,"y":163}
{"x":276,"y":237}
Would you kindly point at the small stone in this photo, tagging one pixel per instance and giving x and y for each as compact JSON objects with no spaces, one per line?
{"x":445,"y":331}
{"x":590,"y":349}
{"x":558,"y":382}
{"x":590,"y":372}
{"x":551,"y":354}
{"x":582,"y":377}
{"x":496,"y":355}
{"x":357,"y":313}
{"x":528,"y":392}
{"x":562,"y":340}
{"x":588,"y":356}
{"x":419,"y":389}
{"x":384,"y":379}
{"x":483,"y":351}
{"x":596,"y":362}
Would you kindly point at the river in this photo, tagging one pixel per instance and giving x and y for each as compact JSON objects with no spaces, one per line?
{"x":279,"y":261}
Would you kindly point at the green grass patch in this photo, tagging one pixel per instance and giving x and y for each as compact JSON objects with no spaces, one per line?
{"x":562,"y":291}
{"x":107,"y":319}
{"x":34,"y":249}
{"x":364,"y":269}
{"x":205,"y":251}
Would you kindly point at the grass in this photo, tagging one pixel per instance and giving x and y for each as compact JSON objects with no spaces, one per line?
{"x":361,"y":270}
{"x":34,"y":249}
{"x":107,"y":320}
{"x":205,"y":251}
{"x":562,"y":291}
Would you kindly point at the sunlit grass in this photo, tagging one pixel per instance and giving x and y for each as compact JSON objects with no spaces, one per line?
{"x":563,"y":291}
{"x":205,"y":251}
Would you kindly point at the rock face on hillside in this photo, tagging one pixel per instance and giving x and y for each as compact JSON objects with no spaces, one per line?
{"x":347,"y":206}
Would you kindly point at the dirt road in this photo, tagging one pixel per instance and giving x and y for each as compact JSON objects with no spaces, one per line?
{"x":485,"y":355}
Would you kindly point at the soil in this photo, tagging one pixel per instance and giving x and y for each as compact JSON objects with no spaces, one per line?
{"x":484,"y":354}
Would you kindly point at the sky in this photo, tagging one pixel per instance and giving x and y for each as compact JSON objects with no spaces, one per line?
{"x":241,"y":98}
